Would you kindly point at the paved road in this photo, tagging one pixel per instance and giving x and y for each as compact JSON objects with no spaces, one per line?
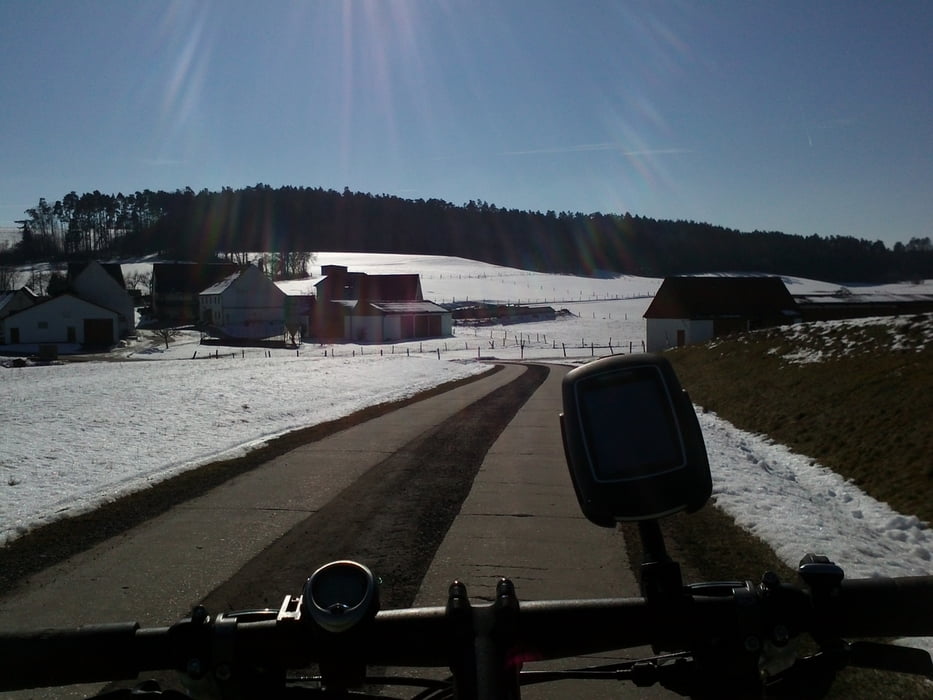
{"x":156,"y":572}
{"x":520,"y":520}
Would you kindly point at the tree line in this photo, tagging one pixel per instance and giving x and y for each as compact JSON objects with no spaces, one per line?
{"x":288,"y":222}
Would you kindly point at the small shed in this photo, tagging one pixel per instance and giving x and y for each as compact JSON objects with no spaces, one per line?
{"x":63,"y":319}
{"x":689,"y":310}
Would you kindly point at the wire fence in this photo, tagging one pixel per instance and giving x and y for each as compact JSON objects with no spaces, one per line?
{"x":499,"y":345}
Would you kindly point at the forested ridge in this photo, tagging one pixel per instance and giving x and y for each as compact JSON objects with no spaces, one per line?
{"x":202,"y":225}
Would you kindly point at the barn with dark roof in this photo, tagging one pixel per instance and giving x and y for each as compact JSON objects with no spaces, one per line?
{"x":689,"y":310}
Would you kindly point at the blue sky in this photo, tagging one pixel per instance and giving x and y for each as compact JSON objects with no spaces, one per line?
{"x":804,"y":117}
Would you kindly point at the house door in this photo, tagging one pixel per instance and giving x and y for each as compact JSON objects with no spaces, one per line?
{"x":14,"y":336}
{"x":681,"y":337}
{"x":98,"y":331}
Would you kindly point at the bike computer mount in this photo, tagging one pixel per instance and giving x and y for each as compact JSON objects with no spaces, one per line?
{"x":632,"y":440}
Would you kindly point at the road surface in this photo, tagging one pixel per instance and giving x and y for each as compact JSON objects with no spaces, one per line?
{"x":519,"y":519}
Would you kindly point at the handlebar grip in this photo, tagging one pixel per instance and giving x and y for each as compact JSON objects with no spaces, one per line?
{"x":879,"y":607}
{"x":85,"y":654}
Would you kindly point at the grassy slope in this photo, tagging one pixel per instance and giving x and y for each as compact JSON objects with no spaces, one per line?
{"x":864,"y":410}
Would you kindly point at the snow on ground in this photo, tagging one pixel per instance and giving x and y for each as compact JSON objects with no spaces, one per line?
{"x":798,"y":506}
{"x":91,"y":431}
{"x":822,"y":341}
{"x":76,"y":434}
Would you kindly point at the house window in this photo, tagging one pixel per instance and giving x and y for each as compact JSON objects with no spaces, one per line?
{"x":43,"y":324}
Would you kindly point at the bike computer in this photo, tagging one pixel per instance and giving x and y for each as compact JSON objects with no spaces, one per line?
{"x":632,"y":440}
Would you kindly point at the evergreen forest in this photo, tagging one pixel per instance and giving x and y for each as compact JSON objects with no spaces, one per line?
{"x":294,"y":221}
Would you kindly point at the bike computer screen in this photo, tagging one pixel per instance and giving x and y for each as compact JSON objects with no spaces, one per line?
{"x":632,"y":440}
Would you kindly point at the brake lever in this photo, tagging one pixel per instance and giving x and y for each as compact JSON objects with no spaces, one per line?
{"x":890,"y":657}
{"x":642,"y":672}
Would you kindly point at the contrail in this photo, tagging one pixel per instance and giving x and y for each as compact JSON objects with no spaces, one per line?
{"x":583,"y":148}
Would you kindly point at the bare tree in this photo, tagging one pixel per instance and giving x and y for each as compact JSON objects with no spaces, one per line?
{"x":38,"y":280}
{"x":137,"y":279}
{"x":166,"y":335}
{"x":7,"y":278}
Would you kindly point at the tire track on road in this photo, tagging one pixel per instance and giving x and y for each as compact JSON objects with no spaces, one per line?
{"x":394,"y":517}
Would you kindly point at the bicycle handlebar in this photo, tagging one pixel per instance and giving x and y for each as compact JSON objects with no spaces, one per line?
{"x":437,"y":636}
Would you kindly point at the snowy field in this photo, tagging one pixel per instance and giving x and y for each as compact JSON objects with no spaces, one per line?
{"x":78,"y":434}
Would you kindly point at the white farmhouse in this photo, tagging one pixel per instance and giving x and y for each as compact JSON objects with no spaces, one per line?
{"x":64,"y":319}
{"x":247,"y":305}
{"x":103,"y":285}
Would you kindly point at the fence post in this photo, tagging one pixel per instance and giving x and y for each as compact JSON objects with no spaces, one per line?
{"x":565,"y":349}
{"x":438,"y":353}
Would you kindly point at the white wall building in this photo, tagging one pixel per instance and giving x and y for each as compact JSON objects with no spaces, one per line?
{"x":64,"y":319}
{"x":95,"y":284}
{"x":688,"y":310}
{"x":390,"y":321}
{"x":246,"y":304}
{"x":13,"y":301}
